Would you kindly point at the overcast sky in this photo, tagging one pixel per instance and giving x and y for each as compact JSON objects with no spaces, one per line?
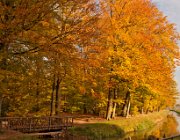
{"x":171,"y":8}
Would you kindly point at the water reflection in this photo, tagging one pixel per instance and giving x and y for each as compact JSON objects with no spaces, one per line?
{"x":169,"y":127}
{"x":177,"y":116}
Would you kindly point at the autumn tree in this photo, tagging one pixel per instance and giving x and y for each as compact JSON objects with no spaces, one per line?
{"x":55,"y":31}
{"x":113,"y":57}
{"x":136,"y":31}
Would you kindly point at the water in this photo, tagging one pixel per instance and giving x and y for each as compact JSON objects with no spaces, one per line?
{"x":170,"y":127}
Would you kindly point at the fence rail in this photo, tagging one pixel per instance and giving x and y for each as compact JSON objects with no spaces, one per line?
{"x":176,"y":137}
{"x":36,"y":124}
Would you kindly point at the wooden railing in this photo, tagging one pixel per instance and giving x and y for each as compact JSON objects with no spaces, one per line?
{"x":35,"y":124}
{"x":176,"y":137}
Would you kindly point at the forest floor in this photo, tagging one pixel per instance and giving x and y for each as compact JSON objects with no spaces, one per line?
{"x":90,"y":119}
{"x":88,"y":125}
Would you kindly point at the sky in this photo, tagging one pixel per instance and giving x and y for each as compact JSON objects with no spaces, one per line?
{"x":171,"y":9}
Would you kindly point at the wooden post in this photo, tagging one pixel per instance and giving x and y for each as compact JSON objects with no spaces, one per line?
{"x":72,"y":121}
{"x":0,"y":124}
{"x":30,"y":125}
{"x":66,"y":122}
{"x":1,"y":102}
{"x":8,"y":123}
{"x":49,"y":124}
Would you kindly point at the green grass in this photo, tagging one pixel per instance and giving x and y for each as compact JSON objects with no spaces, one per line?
{"x":144,"y":125}
{"x":97,"y":130}
{"x":118,"y":127}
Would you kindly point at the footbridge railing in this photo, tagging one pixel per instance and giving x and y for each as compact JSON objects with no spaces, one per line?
{"x":35,"y":124}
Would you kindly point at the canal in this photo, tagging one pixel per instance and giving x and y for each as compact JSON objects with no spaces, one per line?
{"x":170,"y":127}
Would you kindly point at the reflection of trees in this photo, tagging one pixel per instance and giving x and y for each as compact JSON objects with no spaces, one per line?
{"x":169,"y":127}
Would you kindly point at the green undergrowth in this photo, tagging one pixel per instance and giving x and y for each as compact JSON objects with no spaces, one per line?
{"x":119,"y":126}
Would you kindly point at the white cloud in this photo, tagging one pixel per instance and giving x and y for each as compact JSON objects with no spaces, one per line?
{"x":171,"y":9}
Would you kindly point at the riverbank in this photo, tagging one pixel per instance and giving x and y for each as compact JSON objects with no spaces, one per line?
{"x":11,"y":135}
{"x":99,"y":128}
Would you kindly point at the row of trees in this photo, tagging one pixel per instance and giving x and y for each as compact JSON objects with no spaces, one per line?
{"x":83,"y":56}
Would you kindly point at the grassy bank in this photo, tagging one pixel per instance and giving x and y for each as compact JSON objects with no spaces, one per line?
{"x":119,"y":126}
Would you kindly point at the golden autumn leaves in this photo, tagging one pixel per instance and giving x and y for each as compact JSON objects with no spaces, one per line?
{"x":117,"y":52}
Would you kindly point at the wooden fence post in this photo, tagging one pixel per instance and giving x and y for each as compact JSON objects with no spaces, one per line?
{"x":1,"y":124}
{"x":72,"y":124}
{"x":49,"y":124}
{"x":30,"y":125}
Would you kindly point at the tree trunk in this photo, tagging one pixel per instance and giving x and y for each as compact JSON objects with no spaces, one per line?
{"x":57,"y":103}
{"x":84,"y":109}
{"x":147,"y":110}
{"x":38,"y":73}
{"x":114,"y":105}
{"x":52,"y":96}
{"x":1,"y":101}
{"x":37,"y":107}
{"x":114,"y":110}
{"x":109,"y":105}
{"x":142,"y":110}
{"x":128,"y":108}
{"x":124,"y":109}
{"x":125,"y":106}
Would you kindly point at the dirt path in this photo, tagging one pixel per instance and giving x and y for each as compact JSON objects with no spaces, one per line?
{"x":88,"y":119}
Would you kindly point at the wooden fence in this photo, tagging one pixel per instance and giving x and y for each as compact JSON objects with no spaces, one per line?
{"x":36,"y":124}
